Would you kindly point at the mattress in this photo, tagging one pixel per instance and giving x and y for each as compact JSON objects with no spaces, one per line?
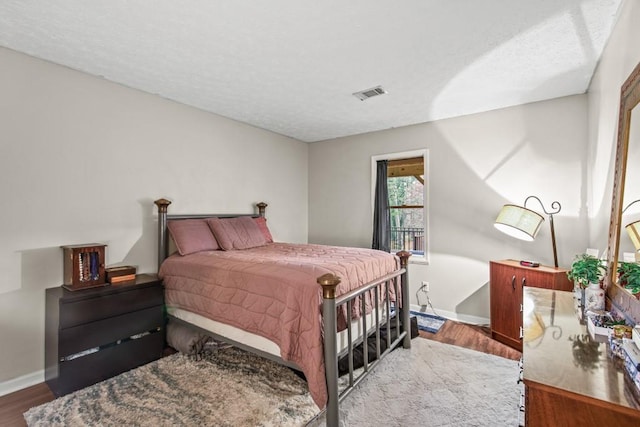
{"x":265,"y":345}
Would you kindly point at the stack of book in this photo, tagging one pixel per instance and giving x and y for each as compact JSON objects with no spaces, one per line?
{"x":121,"y":274}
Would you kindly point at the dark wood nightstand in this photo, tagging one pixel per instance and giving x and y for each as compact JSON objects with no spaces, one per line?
{"x":95,"y":334}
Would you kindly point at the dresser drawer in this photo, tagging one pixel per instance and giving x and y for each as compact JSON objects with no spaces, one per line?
{"x":88,"y":310}
{"x":95,"y":367}
{"x":108,"y":331}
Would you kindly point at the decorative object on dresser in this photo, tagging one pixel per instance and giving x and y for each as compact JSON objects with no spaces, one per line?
{"x":83,"y":266}
{"x":507,"y":280}
{"x":587,"y":273}
{"x":593,"y":297}
{"x":524,"y":224}
{"x":600,"y":322}
{"x":586,"y":269}
{"x":94,"y":334}
{"x":120,"y":274}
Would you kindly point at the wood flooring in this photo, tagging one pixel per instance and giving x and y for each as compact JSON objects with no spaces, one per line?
{"x":473,"y":337}
{"x":13,"y":405}
{"x":478,"y":338}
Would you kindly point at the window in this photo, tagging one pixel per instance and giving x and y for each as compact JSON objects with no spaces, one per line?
{"x":407,"y":185}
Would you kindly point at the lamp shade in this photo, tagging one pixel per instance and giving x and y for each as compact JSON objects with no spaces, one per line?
{"x":634,"y":233}
{"x":519,"y":222}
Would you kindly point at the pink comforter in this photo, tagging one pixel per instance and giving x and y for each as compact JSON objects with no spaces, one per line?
{"x":272,"y":291}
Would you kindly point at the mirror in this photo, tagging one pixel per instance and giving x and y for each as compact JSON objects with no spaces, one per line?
{"x":631,"y":210}
{"x":628,"y":130}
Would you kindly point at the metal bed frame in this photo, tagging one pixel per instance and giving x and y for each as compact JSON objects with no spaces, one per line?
{"x":331,"y":302}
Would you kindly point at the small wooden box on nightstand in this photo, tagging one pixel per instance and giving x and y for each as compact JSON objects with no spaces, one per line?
{"x":97,"y":333}
{"x":83,"y":266}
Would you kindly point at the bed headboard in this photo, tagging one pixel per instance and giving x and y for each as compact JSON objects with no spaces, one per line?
{"x":164,"y":217}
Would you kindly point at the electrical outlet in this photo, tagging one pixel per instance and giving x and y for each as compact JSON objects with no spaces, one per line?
{"x":425,"y":285}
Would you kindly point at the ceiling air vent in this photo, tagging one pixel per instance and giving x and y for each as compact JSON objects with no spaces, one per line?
{"x":369,"y":93}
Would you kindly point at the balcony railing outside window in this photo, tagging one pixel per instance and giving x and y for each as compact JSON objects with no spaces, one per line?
{"x":407,"y":239}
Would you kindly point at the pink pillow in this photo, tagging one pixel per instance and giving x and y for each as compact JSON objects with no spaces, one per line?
{"x":237,"y":233}
{"x":192,"y":235}
{"x":262,"y":225}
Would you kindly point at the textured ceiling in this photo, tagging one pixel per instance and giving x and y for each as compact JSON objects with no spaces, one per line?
{"x":290,"y":66}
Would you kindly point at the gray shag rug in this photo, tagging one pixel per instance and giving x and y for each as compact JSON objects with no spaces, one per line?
{"x":432,"y":384}
{"x":228,"y":387}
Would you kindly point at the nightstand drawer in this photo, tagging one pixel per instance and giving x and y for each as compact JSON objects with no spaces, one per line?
{"x":107,"y":331}
{"x":90,"y":369}
{"x":92,"y":309}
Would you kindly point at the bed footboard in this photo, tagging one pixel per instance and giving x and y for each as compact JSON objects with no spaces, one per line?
{"x":329,"y":283}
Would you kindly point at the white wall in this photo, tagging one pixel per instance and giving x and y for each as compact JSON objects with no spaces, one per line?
{"x":620,"y":57}
{"x":82,"y":159}
{"x":477,"y":164}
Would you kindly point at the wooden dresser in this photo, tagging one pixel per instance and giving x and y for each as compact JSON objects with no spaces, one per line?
{"x":570,"y":379}
{"x":507,"y":280}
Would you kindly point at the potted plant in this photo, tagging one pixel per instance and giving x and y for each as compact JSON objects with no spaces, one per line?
{"x":588,"y":271}
{"x":629,"y":277}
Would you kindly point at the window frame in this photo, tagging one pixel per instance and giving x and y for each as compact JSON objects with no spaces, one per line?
{"x":424,"y":153}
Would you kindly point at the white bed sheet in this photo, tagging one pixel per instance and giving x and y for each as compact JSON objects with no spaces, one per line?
{"x":261,"y":343}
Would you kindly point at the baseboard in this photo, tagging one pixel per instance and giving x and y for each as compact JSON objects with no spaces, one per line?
{"x":19,"y":383}
{"x":464,"y":318}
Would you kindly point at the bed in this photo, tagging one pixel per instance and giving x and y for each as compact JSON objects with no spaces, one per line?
{"x":302,"y":305}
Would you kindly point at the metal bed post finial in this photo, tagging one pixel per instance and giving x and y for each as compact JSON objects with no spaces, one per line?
{"x":404,"y":258}
{"x":329,"y":283}
{"x":262,"y":206}
{"x":404,"y":282}
{"x":162,"y":205}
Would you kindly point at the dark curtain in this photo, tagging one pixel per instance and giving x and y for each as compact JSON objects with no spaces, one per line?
{"x":381,"y":214}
